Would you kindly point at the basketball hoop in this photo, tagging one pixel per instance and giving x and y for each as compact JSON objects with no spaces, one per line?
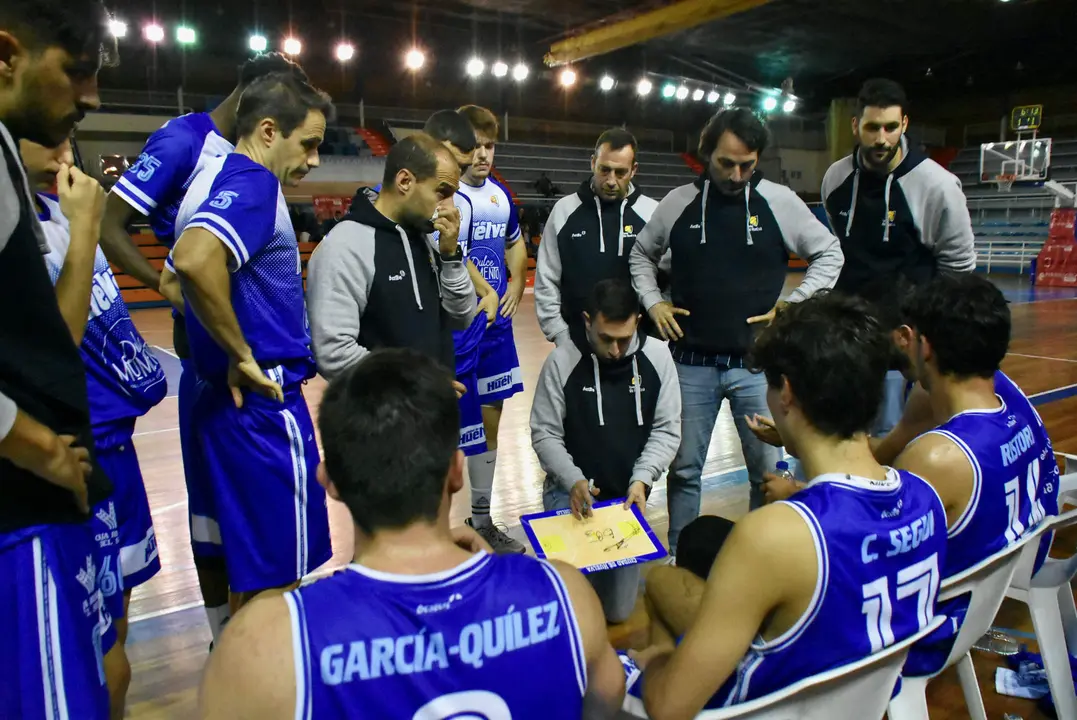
{"x":1005,"y":182}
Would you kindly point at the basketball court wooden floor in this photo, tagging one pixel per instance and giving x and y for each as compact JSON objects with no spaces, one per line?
{"x":169,"y":637}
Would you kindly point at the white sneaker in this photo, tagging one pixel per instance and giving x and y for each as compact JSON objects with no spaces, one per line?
{"x":499,"y":541}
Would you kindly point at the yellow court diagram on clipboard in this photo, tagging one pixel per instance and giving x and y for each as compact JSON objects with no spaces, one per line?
{"x":611,"y":537}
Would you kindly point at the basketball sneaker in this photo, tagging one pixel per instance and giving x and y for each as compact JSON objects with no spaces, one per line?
{"x":499,"y":541}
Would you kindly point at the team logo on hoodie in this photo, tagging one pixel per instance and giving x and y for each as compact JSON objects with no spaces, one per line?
{"x":753,"y":223}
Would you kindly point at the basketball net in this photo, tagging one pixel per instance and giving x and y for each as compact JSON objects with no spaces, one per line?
{"x":1005,"y":182}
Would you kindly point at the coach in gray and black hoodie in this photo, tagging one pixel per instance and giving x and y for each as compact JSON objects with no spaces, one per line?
{"x":589,"y":236}
{"x":730,"y":234}
{"x":607,"y":409}
{"x":377,"y":280}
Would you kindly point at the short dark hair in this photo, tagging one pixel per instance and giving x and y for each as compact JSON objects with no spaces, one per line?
{"x":285,"y":97}
{"x":700,"y":542}
{"x":418,"y":153}
{"x":740,"y":121}
{"x":967,"y":321}
{"x":614,"y":299}
{"x":880,"y":93}
{"x":482,"y":120}
{"x":451,"y":126}
{"x":390,"y":427}
{"x":617,"y":138}
{"x":835,"y":354}
{"x":267,"y":63}
{"x":81,"y":27}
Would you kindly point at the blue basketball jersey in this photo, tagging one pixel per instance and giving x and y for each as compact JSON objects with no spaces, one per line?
{"x":492,"y":638}
{"x":880,"y":546}
{"x":1015,"y":477}
{"x":242,"y":204}
{"x":123,"y":377}
{"x":493,"y":224}
{"x":173,"y":156}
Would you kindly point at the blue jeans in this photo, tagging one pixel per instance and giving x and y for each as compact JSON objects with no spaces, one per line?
{"x":893,"y":404}
{"x":617,"y":589}
{"x":702,"y":391}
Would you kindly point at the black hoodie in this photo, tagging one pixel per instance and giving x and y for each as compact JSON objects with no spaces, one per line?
{"x":909,"y":223}
{"x":372,"y":284}
{"x":612,"y":421}
{"x":577,"y":251}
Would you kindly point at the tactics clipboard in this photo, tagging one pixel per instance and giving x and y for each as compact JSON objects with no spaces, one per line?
{"x":612,"y":537}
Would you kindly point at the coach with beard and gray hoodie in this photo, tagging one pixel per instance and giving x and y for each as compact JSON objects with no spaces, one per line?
{"x":606,"y":421}
{"x":900,"y":216}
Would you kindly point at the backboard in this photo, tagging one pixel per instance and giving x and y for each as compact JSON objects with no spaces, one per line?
{"x":1023,"y":160}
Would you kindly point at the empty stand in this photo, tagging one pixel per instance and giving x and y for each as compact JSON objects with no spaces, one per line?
{"x":1010,"y":228}
{"x":522,"y":164}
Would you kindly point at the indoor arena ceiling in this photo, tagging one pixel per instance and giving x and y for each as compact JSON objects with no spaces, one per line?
{"x":825,"y":46}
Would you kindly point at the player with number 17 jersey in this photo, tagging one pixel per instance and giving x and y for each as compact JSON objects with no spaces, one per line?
{"x":880,"y":547}
{"x":261,"y":457}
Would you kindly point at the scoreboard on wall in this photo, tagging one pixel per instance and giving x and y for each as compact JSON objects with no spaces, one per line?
{"x":1026,"y":117}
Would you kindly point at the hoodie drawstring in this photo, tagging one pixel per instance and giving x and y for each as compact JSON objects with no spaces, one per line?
{"x":852,"y":203}
{"x":886,"y":199}
{"x":747,"y":215}
{"x":411,"y":265}
{"x":601,"y":232}
{"x":703,"y":212}
{"x":636,"y":389}
{"x":620,"y":228}
{"x":598,"y":390}
{"x":886,"y":213}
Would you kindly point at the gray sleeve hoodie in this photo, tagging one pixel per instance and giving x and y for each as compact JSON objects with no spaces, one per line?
{"x":339,"y":275}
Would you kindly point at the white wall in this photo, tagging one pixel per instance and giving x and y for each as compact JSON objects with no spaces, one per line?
{"x":803,"y":170}
{"x":348,"y":169}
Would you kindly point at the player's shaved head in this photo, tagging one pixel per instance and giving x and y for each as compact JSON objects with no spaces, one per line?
{"x":390,"y":427}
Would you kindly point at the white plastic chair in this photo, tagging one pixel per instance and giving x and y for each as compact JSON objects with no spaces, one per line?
{"x":1049,"y":598}
{"x":865,"y":685}
{"x":987,"y":582}
{"x":1067,"y":483}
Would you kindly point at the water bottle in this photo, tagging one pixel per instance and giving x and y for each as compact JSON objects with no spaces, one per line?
{"x":782,"y":470}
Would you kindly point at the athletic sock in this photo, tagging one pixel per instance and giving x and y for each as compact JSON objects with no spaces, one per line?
{"x":480,"y":470}
{"x":218,"y":617}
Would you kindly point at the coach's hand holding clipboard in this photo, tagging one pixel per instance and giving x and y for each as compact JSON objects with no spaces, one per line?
{"x":581,"y":496}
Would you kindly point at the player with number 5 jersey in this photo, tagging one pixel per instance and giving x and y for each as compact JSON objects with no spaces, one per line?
{"x":238,"y":261}
{"x":846,"y":567}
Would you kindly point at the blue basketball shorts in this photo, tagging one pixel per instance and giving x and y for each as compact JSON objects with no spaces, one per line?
{"x":272,"y":512}
{"x":53,"y":621}
{"x":201,"y":508}
{"x":128,"y":522}
{"x":498,"y":372}
{"x":633,"y":702}
{"x":472,"y":432}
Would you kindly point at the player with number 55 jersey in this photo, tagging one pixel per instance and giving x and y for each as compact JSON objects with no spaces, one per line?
{"x":843,"y":569}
